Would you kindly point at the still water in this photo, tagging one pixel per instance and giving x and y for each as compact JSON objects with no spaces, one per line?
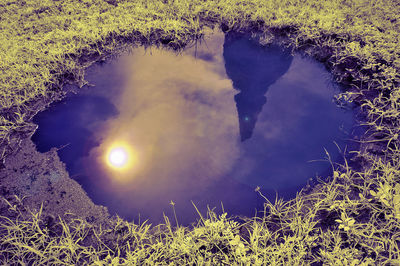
{"x":208,"y":125}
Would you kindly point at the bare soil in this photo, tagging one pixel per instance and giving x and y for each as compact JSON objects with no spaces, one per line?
{"x":42,"y":177}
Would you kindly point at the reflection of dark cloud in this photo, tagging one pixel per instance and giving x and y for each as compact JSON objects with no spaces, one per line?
{"x":253,"y":69}
{"x":71,"y":126}
{"x":295,"y":126}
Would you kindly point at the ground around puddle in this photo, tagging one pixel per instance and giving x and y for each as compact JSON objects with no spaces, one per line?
{"x":42,"y":178}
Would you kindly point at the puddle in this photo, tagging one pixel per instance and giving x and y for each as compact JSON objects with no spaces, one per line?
{"x":208,"y":126}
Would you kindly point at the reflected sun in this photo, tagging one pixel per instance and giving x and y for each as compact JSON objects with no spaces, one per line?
{"x":120,"y":156}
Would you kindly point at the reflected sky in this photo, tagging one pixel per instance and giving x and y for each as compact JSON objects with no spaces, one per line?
{"x":182,"y":117}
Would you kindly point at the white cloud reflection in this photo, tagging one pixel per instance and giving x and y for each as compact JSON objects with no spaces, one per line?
{"x":180,"y":117}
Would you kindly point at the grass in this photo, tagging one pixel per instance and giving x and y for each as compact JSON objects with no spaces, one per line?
{"x":352,"y":219}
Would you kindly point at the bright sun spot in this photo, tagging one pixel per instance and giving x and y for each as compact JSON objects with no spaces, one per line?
{"x":118,"y":157}
{"x":121,"y":156}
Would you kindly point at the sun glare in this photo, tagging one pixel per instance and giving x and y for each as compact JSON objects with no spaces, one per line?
{"x":120,"y":156}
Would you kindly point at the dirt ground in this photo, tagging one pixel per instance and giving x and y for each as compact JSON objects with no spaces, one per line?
{"x":42,"y":177}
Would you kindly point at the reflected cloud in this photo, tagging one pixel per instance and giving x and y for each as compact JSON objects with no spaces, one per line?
{"x":179,"y":116}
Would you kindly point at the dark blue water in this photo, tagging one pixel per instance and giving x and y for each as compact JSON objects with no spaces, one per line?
{"x":208,"y":126}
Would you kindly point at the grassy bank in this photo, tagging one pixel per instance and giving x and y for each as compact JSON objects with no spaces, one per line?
{"x":354,"y":219}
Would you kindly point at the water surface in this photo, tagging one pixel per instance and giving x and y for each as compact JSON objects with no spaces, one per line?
{"x":208,"y":125}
